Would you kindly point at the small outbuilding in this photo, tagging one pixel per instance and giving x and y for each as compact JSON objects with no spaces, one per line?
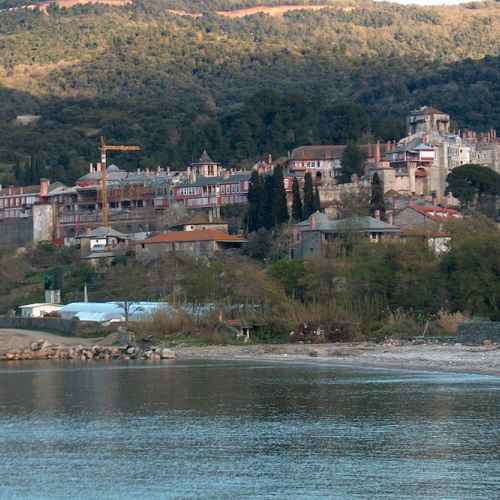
{"x":38,"y":310}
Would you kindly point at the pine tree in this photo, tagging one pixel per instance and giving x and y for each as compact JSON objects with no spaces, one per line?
{"x":296,"y":201}
{"x":317,"y":200}
{"x":308,"y":209}
{"x":377,"y":202}
{"x":18,"y":172}
{"x":267,"y":220}
{"x":254,"y":202}
{"x":280,"y":207}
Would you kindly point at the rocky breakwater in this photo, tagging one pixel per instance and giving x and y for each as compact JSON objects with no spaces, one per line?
{"x":42,"y":349}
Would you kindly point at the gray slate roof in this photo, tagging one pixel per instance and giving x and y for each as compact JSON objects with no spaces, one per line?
{"x":210,"y":181}
{"x":205,"y":158}
{"x":358,"y":224}
{"x":104,"y":232}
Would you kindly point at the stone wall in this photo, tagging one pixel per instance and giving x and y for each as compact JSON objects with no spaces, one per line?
{"x":476,"y":332}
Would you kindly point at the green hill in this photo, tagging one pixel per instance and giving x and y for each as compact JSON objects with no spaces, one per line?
{"x":238,"y":87}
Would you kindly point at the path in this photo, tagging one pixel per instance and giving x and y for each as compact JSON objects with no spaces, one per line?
{"x":12,"y":340}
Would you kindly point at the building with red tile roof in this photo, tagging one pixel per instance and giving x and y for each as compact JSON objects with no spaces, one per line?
{"x":197,"y":243}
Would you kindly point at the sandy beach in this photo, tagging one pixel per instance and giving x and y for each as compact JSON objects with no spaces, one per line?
{"x":429,"y":357}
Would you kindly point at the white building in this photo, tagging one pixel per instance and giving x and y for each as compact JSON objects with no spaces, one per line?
{"x":38,"y":310}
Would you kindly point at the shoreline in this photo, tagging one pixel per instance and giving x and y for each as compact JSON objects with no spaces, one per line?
{"x":449,"y":358}
{"x":412,"y":358}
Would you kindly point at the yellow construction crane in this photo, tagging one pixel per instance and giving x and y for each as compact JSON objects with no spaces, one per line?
{"x":104,"y":177}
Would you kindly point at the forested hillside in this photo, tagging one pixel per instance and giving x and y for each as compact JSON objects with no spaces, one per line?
{"x":238,"y":87}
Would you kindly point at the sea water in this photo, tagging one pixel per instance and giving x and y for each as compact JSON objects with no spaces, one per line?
{"x":198,"y":429}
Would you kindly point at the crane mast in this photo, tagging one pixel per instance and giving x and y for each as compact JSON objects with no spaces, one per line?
{"x":104,"y":174}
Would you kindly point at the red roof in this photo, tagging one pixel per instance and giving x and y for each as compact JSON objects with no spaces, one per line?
{"x":189,"y":236}
{"x":437,"y":213}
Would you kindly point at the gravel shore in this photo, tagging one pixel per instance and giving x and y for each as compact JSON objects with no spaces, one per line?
{"x":431,"y":357}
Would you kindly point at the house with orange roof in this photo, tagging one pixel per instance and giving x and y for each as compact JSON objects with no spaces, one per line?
{"x":196,"y":243}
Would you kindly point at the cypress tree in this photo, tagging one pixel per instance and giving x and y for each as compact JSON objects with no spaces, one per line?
{"x":18,"y":172}
{"x":308,"y":196}
{"x":296,"y":201}
{"x":254,"y":202}
{"x":353,"y":162}
{"x":267,"y":220}
{"x":317,"y":200}
{"x":377,"y":201}
{"x":280,"y":207}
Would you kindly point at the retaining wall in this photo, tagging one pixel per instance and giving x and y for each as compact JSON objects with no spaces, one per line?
{"x":16,"y":232}
{"x":64,"y":327}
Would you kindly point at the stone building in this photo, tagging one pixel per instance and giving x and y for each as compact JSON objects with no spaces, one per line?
{"x":422,"y":160}
{"x":427,"y":120}
{"x":427,"y":223}
{"x":322,"y":236}
{"x":196,"y":243}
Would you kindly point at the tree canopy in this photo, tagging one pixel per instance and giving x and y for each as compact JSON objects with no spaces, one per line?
{"x":353,"y":162}
{"x":475,"y":186}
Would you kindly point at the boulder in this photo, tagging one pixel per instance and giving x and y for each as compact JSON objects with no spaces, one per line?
{"x":43,"y":344}
{"x":167,"y":354}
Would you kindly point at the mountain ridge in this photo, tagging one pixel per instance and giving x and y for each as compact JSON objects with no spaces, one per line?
{"x":240,"y":87}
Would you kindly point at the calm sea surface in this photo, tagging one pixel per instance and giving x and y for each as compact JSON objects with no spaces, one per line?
{"x":193,"y":429}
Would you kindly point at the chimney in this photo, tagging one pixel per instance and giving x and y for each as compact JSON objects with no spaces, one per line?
{"x":377,"y":152}
{"x":98,"y":168}
{"x":91,"y":168}
{"x":44,"y":187}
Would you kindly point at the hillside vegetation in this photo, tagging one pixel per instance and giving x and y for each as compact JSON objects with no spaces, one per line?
{"x":239,"y":87}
